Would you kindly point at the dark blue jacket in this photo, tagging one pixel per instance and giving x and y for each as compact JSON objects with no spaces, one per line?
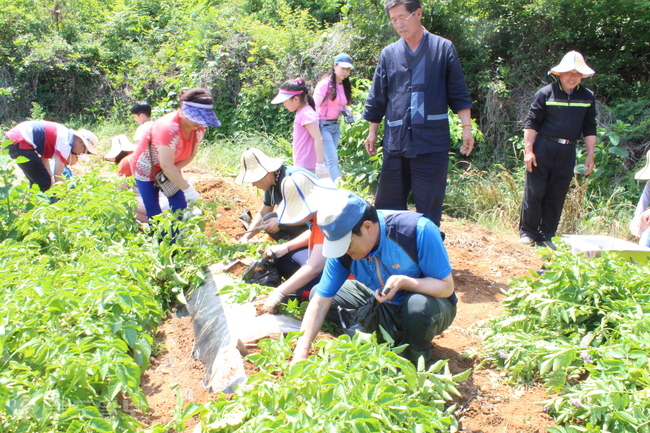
{"x":412,"y":92}
{"x":554,"y":112}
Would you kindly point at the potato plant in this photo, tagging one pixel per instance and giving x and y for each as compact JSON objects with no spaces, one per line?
{"x":83,"y":289}
{"x":351,"y":385}
{"x":583,"y":329}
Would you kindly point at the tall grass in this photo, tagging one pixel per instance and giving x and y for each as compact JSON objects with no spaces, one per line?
{"x":222,"y":156}
{"x":493,"y":198}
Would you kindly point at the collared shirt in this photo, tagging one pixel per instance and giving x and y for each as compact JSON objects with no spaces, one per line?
{"x":555,"y":113}
{"x":412,"y":90}
{"x":47,"y":138}
{"x":389,"y":258}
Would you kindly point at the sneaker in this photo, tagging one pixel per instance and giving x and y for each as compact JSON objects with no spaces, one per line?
{"x":546,"y":244}
{"x":526,"y":240}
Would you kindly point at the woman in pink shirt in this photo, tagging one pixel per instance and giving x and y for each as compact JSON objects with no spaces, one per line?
{"x":307,"y":140}
{"x":169,"y":145}
{"x":332,"y":94}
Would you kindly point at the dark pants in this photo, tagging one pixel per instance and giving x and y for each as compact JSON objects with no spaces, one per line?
{"x":289,"y":263}
{"x":423,"y":317}
{"x":285,"y":232}
{"x":545,"y":189}
{"x":425,"y":175}
{"x":33,"y":168}
{"x":151,"y":200}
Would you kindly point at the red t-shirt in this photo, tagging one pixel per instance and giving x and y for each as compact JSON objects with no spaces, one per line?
{"x":165,"y":131}
{"x":124,"y":167}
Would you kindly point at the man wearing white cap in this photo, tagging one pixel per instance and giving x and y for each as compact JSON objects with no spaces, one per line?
{"x":397,"y":259}
{"x":39,"y":141}
{"x":560,"y":114}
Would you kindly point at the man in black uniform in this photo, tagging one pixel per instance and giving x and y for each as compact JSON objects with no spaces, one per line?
{"x":559,"y":115}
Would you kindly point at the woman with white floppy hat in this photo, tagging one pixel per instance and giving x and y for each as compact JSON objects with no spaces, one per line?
{"x":561,"y":113}
{"x":302,"y":196}
{"x":267,"y":173}
{"x":640,"y":224}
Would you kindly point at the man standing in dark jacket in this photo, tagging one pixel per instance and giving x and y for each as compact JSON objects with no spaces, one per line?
{"x":560,"y":114}
{"x":416,"y":79}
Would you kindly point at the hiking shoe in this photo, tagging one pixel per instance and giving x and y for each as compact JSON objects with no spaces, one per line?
{"x":546,"y":244}
{"x":526,"y":240}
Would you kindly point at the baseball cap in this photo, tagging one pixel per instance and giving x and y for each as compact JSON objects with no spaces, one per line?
{"x":343,"y":60}
{"x":336,"y":217}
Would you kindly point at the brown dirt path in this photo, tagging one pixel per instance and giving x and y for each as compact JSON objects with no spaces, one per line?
{"x":483,"y":261}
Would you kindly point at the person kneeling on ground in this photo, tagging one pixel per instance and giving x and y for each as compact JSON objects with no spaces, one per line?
{"x":397,"y":258}
{"x":267,"y":174}
{"x":303,"y":195}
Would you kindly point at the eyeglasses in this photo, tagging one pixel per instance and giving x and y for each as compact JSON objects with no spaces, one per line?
{"x":397,"y":20}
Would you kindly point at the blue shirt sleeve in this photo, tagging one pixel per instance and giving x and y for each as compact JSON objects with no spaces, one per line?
{"x":334,"y":275}
{"x":432,"y":255}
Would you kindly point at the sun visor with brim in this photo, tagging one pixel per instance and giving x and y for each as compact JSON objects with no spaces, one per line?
{"x":255,"y":164}
{"x":302,"y":195}
{"x":201,"y":114}
{"x":120,"y":144}
{"x":336,"y":219}
{"x":283,"y":95}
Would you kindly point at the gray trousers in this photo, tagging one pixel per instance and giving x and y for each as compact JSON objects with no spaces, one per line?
{"x":423,"y":317}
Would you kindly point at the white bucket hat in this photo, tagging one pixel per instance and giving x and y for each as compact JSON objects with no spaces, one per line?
{"x":302,"y":195}
{"x":644,"y":173}
{"x":255,"y":164}
{"x":573,"y":61}
{"x":119,"y":144}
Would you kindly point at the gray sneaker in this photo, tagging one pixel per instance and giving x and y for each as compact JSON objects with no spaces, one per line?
{"x":526,"y":240}
{"x":546,"y":244}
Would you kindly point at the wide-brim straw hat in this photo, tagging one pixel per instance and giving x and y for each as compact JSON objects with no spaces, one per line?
{"x":302,"y":195}
{"x":255,"y":164}
{"x":573,"y":61}
{"x":644,"y":173}
{"x":120,"y":144}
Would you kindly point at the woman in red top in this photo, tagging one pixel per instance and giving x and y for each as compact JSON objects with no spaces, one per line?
{"x":170,"y":145}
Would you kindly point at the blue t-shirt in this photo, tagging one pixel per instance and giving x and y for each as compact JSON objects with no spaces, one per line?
{"x":388,"y":258}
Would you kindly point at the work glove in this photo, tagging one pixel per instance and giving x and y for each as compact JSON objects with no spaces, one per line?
{"x":191,"y":194}
{"x":277,"y":250}
{"x":272,"y":302}
{"x":321,"y":170}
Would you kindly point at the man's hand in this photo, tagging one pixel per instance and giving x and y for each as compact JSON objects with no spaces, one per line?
{"x":301,"y":352}
{"x":530,"y":161}
{"x":468,"y":142}
{"x":589,"y":165}
{"x":393,"y":284}
{"x":370,"y":144}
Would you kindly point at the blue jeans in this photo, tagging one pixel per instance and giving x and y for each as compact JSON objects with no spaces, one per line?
{"x":331,"y":133}
{"x":149,"y":194}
